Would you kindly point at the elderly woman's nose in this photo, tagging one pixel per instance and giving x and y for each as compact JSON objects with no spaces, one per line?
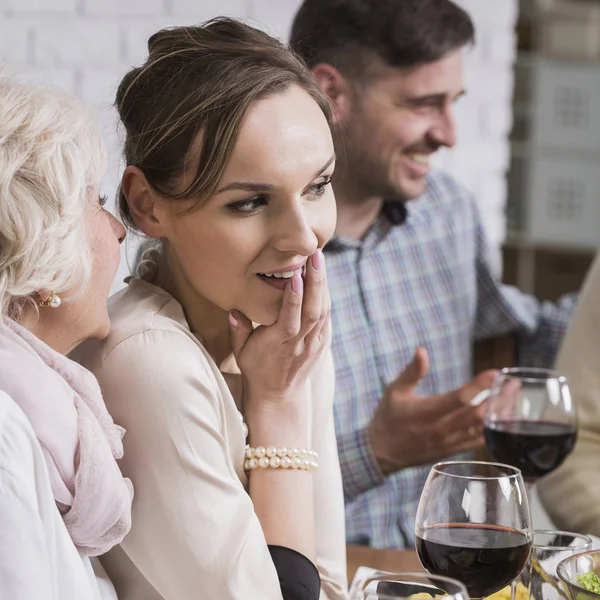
{"x":118,"y":228}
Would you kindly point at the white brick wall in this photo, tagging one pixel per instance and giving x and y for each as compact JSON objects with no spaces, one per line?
{"x":484,"y":117}
{"x":85,"y":46}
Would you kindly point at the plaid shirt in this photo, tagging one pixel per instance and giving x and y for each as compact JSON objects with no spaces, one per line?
{"x":425,"y":282}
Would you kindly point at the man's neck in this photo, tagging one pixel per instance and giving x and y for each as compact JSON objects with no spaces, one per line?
{"x":355,"y":214}
{"x":355,"y":220}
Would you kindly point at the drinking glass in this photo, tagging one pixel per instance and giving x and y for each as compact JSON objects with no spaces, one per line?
{"x":549,"y":547}
{"x":530,"y":421}
{"x":474,"y":524}
{"x":381,"y":585}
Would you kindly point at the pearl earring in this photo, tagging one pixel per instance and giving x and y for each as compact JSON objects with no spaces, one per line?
{"x":53,"y":301}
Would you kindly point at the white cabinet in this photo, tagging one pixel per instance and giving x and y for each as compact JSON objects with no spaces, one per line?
{"x":554,"y":181}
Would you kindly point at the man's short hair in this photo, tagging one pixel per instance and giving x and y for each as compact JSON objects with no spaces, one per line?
{"x":352,"y":34}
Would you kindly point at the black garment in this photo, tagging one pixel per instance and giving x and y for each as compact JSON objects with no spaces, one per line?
{"x":298,"y":576}
{"x":394,"y":211}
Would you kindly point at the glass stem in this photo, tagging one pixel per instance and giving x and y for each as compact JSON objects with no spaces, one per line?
{"x":530,"y":491}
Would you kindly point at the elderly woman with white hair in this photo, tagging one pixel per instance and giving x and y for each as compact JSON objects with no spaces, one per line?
{"x":63,"y":499}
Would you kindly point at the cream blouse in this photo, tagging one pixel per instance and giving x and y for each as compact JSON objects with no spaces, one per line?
{"x":195,"y":534}
{"x":571,"y":494}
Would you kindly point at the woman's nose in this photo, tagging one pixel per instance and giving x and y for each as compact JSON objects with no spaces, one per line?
{"x":294,"y":233}
{"x":118,"y":228}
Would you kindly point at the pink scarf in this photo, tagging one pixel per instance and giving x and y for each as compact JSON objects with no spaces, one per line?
{"x":79,"y":439}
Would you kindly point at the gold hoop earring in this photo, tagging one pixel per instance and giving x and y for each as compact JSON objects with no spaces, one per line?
{"x":53,"y":301}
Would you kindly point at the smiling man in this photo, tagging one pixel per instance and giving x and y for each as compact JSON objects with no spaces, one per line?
{"x":408,"y":270}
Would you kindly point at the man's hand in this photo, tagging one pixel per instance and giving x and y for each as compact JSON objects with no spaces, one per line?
{"x":409,"y":430}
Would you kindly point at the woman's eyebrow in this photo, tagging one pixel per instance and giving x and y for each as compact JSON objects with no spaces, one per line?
{"x":325,"y":166}
{"x":255,"y":186}
{"x":247,"y":186}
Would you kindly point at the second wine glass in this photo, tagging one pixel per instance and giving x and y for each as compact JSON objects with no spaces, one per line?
{"x":474,"y":524}
{"x":382,"y":585}
{"x":530,"y":421}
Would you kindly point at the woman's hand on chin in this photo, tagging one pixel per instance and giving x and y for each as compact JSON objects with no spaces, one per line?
{"x":276,"y":360}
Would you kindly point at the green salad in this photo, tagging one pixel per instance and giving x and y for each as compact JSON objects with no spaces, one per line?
{"x":590,"y":582}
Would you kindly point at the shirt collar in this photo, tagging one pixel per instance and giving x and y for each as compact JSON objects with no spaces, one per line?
{"x":394,"y":213}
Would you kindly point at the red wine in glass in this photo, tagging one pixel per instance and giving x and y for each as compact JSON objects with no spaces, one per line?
{"x":485,"y":558}
{"x":534,"y":447}
{"x":530,"y":421}
{"x":473,"y":524}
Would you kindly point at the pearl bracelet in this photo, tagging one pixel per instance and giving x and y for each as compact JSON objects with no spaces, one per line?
{"x":285,"y":458}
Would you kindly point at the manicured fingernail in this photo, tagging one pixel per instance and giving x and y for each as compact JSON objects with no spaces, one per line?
{"x":318,"y":260}
{"x":233,"y":320}
{"x":297,"y":283}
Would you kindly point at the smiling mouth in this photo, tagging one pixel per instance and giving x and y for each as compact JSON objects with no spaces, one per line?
{"x":279,"y":280}
{"x":420,"y":158}
{"x":282,"y":275}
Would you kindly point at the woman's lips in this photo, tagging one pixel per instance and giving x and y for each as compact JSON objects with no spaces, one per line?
{"x":275,"y":282}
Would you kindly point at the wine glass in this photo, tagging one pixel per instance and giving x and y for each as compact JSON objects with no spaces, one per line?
{"x":530,"y":421}
{"x":381,"y":585}
{"x":549,"y":547}
{"x":474,"y":524}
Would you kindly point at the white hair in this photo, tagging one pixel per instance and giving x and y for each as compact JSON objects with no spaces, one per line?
{"x":52,"y":160}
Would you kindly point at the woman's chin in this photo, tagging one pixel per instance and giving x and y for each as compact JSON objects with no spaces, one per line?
{"x":262,"y":316}
{"x":101,"y":329}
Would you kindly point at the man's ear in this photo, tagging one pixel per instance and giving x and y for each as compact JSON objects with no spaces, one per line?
{"x":337,"y":89}
{"x":142,"y":202}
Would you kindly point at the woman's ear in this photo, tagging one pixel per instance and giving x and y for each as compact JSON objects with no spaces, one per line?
{"x":143,"y":202}
{"x":336,"y":88}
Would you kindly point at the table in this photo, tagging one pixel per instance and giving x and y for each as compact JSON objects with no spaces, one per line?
{"x":383,"y":559}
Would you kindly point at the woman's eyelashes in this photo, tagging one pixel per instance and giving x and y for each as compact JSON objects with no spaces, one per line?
{"x":254,"y":205}
{"x":320,"y":188}
{"x":250,"y":206}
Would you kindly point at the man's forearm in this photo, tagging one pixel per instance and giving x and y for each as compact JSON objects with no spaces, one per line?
{"x":360,"y":471}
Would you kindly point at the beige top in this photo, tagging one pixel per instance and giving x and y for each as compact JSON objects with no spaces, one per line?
{"x":571,"y":494}
{"x":195,"y":534}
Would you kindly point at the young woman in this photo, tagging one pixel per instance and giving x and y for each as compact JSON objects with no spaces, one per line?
{"x":62,"y":496}
{"x":218,"y":361}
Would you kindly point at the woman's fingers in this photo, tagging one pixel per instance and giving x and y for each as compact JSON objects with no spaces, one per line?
{"x":279,"y":357}
{"x":306,"y":303}
{"x":314,"y":280}
{"x":320,"y":332}
{"x":241,"y":330}
{"x":290,"y":315}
